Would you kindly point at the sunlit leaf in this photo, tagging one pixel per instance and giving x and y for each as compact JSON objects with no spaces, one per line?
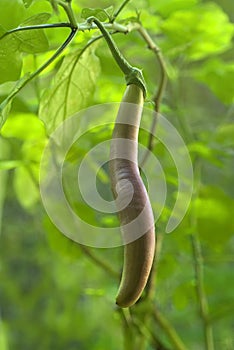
{"x":165,"y":7}
{"x":35,"y":40}
{"x":74,"y":85}
{"x":10,"y":59}
{"x":9,"y":164}
{"x":5,"y":106}
{"x":24,"y":127}
{"x":11,"y":13}
{"x":199,"y":32}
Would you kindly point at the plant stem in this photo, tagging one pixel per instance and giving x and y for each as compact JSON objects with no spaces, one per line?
{"x":159,"y":94}
{"x":204,"y":308}
{"x":117,"y":12}
{"x":39,"y":70}
{"x":169,"y":330}
{"x":132,"y":75}
{"x":106,"y":267}
{"x":148,"y":334}
{"x":36,"y":26}
{"x":198,"y":267}
{"x":69,"y":12}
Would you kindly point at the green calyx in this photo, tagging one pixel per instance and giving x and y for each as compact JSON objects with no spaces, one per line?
{"x":135,"y":76}
{"x":132,"y":75}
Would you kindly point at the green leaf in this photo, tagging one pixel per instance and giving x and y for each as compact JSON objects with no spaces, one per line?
{"x":25,"y":187}
{"x":204,"y":151}
{"x":11,"y":13}
{"x":96,"y":12}
{"x":217,"y":74}
{"x":225,"y":135}
{"x":197,"y":33}
{"x":74,"y":85}
{"x":9,"y":164}
{"x":10,"y":59}
{"x":4,"y":154}
{"x":27,"y":3}
{"x":5,"y":106}
{"x":24,"y":127}
{"x":35,"y":40}
{"x":165,"y":7}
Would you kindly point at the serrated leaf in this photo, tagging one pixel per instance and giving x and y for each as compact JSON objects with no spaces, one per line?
{"x":73,"y":86}
{"x":35,"y":40}
{"x":96,"y":12}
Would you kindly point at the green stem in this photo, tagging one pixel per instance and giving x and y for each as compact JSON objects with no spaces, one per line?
{"x":132,"y":75}
{"x":40,"y":69}
{"x":169,"y":330}
{"x":204,"y":309}
{"x":117,"y":12}
{"x":159,"y":94}
{"x":69,"y":12}
{"x":198,"y":267}
{"x":36,"y":26}
{"x":98,"y":261}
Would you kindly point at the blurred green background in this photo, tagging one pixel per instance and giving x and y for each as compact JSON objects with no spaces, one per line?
{"x":56,"y":294}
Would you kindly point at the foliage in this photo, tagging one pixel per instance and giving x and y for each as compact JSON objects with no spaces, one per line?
{"x":56,"y":293}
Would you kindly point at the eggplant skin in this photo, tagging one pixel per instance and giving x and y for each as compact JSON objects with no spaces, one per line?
{"x":136,"y":217}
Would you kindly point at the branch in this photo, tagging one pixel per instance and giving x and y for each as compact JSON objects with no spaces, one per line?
{"x":159,"y":94}
{"x":198,"y":266}
{"x":69,"y":12}
{"x":148,"y":333}
{"x":132,"y":74}
{"x":201,"y":294}
{"x":151,"y":284}
{"x":169,"y":330}
{"x":20,"y":85}
{"x":36,"y":26}
{"x":127,"y":322}
{"x":117,"y":12}
{"x":103,"y":265}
